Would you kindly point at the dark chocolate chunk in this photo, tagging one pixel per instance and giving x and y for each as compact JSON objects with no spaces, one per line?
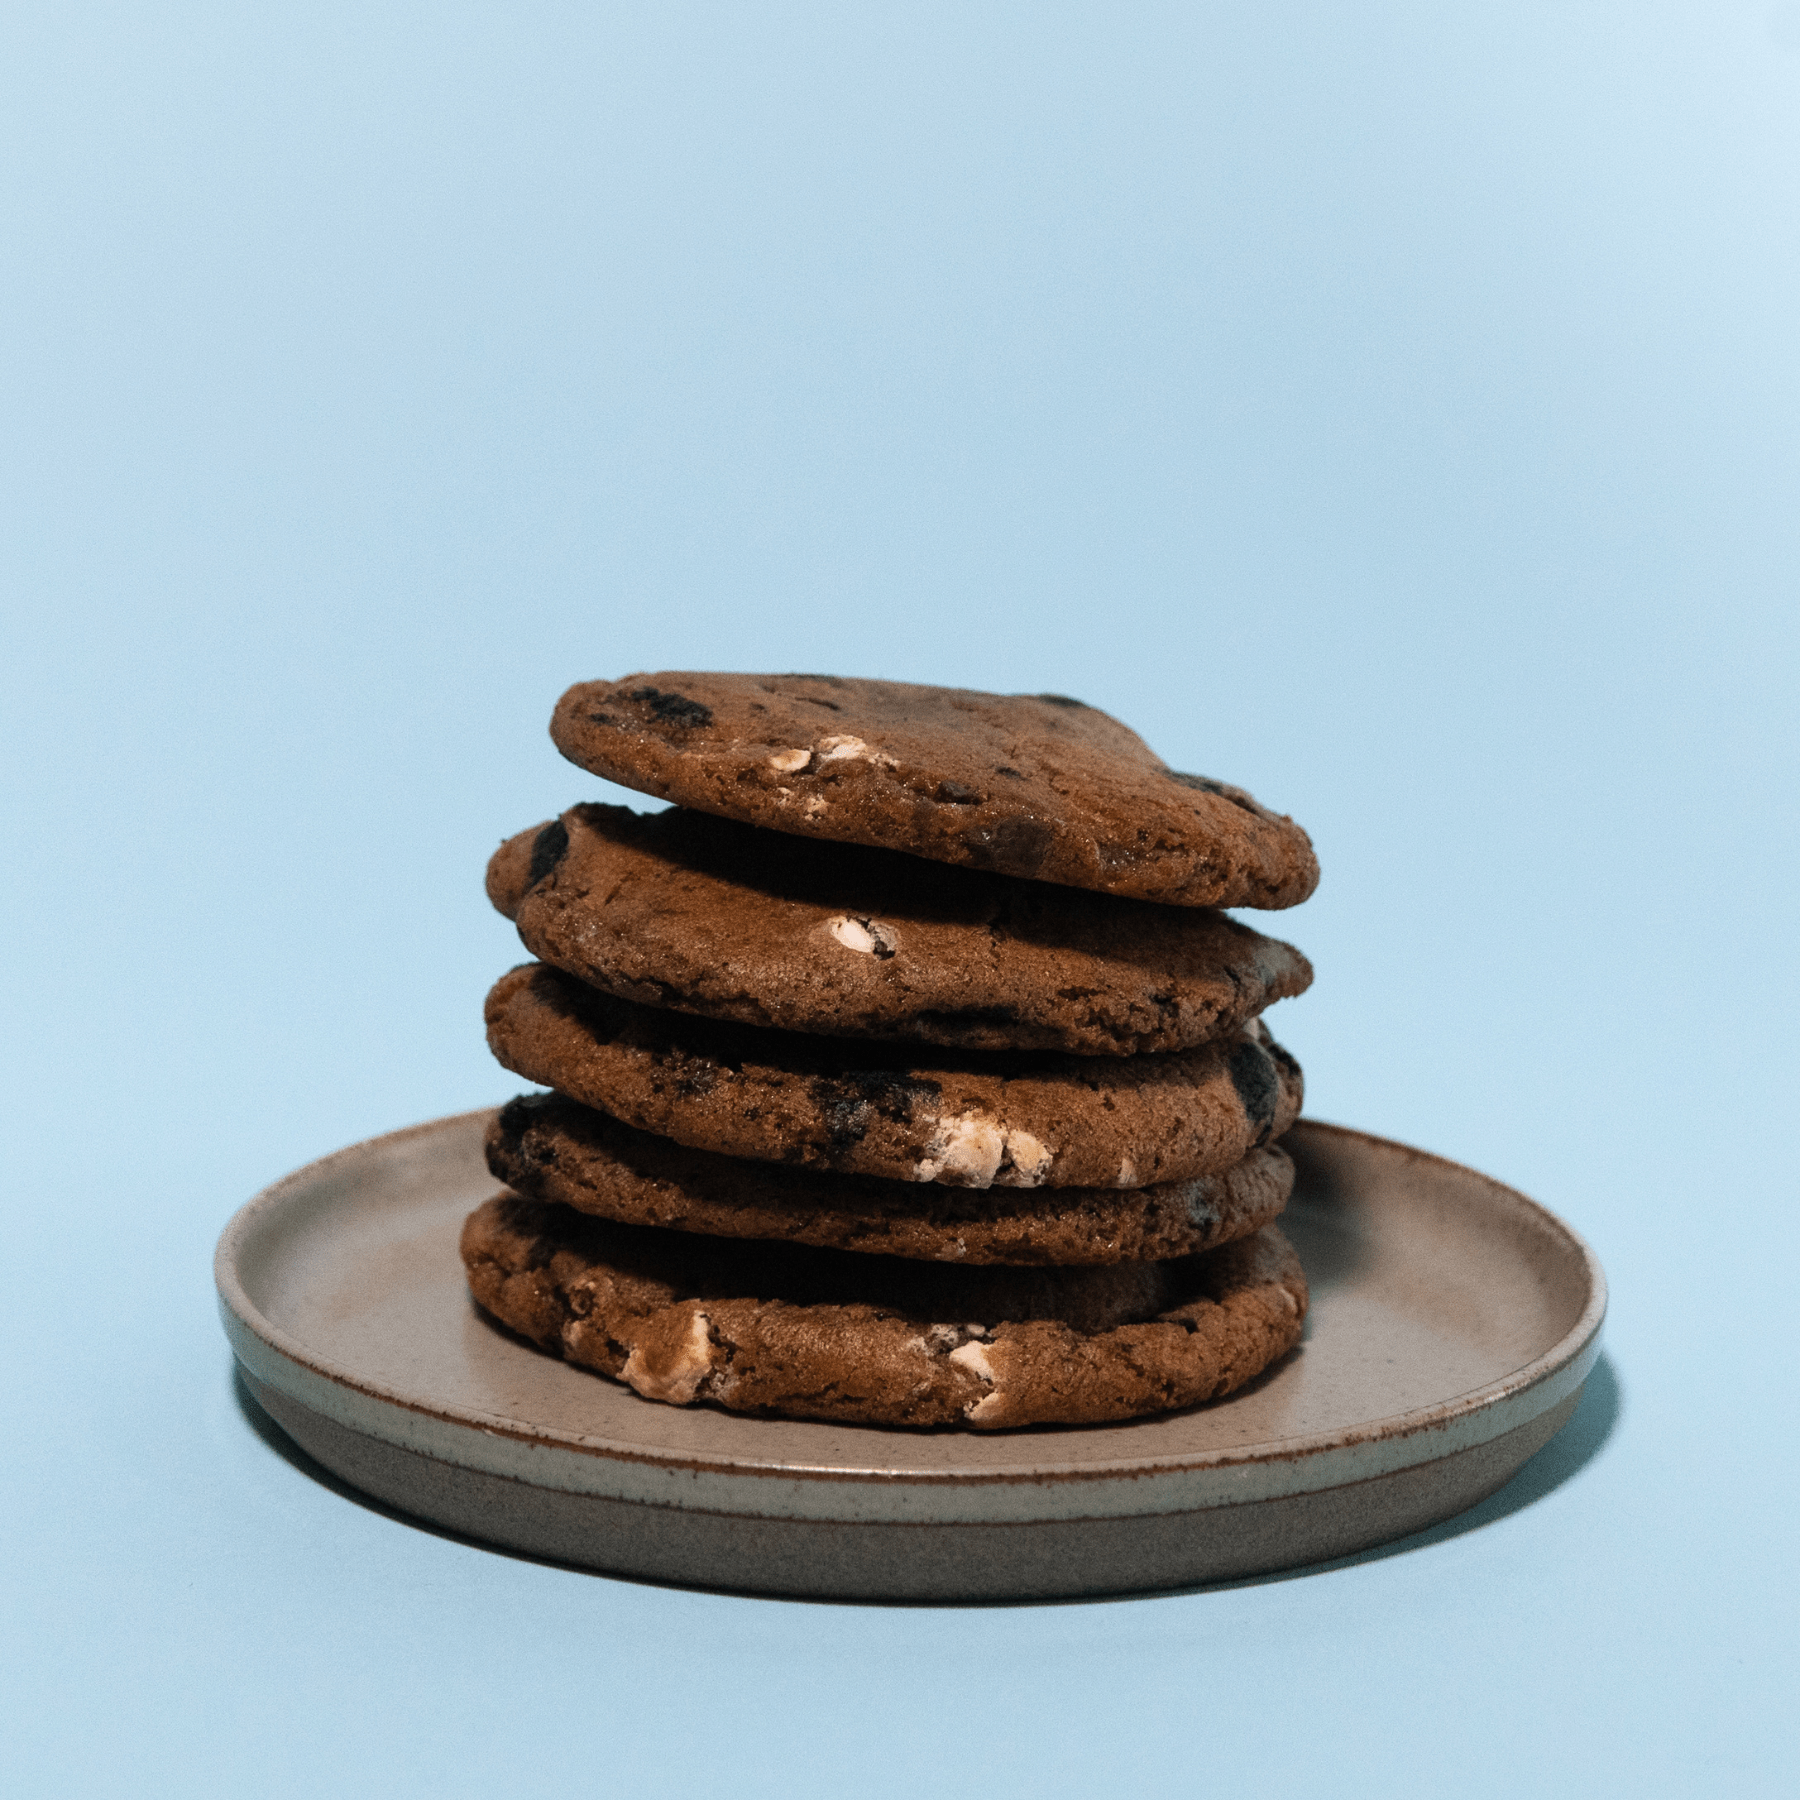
{"x":548,"y":848}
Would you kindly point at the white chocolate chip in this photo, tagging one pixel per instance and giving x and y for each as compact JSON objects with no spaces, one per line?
{"x":1127,"y":1173}
{"x":842,"y":749}
{"x":1030,"y":1158}
{"x":815,"y":805}
{"x":975,"y":1359}
{"x":679,"y":1382}
{"x":865,"y":935}
{"x":977,"y":1152}
{"x":963,"y":1152}
{"x":789,"y":761}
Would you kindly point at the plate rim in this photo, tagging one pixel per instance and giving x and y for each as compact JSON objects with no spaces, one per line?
{"x":1475,"y":1416}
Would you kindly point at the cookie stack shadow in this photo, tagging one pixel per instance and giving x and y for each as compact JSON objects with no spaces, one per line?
{"x":903,"y":1073}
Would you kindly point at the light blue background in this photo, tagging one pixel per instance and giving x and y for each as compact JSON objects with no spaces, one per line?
{"x":1390,"y":407}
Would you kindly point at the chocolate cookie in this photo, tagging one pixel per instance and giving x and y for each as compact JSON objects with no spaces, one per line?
{"x":554,"y":1149}
{"x":814,"y":1334}
{"x":1020,"y":1120}
{"x":1035,"y":785}
{"x":679,"y":909}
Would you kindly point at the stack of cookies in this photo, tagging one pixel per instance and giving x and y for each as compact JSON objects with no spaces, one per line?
{"x":904,"y":1071}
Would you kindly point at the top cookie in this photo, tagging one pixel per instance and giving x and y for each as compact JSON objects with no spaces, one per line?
{"x":1035,"y":785}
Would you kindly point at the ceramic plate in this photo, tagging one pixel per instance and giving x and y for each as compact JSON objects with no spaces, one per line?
{"x":1453,"y":1324}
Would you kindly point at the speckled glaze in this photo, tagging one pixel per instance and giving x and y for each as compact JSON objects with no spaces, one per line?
{"x":1453,"y":1324}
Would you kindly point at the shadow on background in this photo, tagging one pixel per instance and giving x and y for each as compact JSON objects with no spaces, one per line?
{"x":1565,"y":1456}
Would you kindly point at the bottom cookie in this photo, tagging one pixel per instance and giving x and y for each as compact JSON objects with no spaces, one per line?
{"x":822,"y":1334}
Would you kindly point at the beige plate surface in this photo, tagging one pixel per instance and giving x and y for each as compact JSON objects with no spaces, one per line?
{"x":1453,"y":1324}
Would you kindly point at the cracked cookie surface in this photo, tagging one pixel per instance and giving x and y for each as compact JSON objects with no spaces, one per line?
{"x":683,"y":910}
{"x":1032,"y":785}
{"x":554,"y":1149}
{"x":1006,"y":1120}
{"x":814,"y":1334}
